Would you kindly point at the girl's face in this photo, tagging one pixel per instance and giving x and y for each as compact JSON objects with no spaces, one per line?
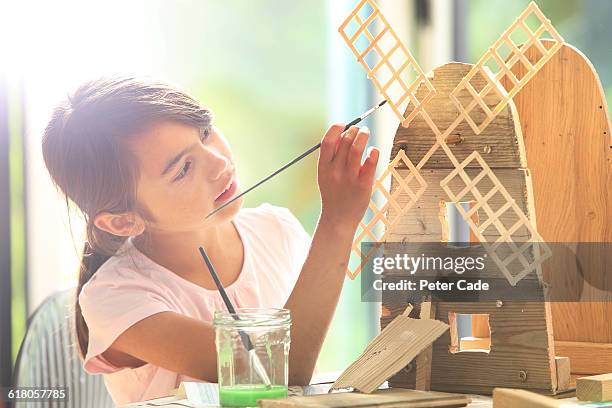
{"x":184,"y":175}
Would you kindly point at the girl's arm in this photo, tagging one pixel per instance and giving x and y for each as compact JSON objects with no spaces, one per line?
{"x":346,"y":188}
{"x":169,"y":340}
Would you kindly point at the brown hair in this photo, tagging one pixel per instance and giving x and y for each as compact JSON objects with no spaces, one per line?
{"x":84,"y":149}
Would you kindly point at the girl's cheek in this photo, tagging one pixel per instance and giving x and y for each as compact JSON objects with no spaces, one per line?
{"x":200,"y":201}
{"x":192,"y":201}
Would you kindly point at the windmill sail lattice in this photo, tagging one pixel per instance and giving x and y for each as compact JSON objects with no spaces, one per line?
{"x":515,"y":259}
{"x":387,"y":61}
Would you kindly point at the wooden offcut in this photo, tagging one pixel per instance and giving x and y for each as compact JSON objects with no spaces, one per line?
{"x":596,"y":388}
{"x":388,"y":398}
{"x":394,"y":347}
{"x":513,"y":398}
{"x":563,"y":369}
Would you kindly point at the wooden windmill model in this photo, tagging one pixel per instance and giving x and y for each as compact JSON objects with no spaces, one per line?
{"x":460,"y":140}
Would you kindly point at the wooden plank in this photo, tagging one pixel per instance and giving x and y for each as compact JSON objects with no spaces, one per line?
{"x":563,"y":373}
{"x":595,"y":388}
{"x":423,"y":360}
{"x":512,"y":398}
{"x":388,"y":398}
{"x":568,"y":139}
{"x":581,"y":356}
{"x":394,"y":347}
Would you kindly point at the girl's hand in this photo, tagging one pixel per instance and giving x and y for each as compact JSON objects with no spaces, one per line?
{"x":344,"y":182}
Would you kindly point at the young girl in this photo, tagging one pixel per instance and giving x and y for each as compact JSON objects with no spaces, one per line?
{"x":145,"y":165}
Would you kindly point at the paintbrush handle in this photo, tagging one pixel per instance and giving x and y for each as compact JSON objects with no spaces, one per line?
{"x":283,"y":168}
{"x":260,"y":182}
{"x":291,"y":163}
{"x":213,"y":273}
{"x":297,"y":159}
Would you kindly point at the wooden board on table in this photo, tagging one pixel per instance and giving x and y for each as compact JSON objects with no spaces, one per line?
{"x":394,"y":347}
{"x":568,"y":140}
{"x":388,"y":398}
{"x":512,"y":398}
{"x":594,"y":388}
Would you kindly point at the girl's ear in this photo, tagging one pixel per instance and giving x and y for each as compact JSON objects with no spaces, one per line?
{"x":124,"y":224}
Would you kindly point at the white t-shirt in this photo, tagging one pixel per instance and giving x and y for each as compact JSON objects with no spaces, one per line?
{"x":130,"y":287}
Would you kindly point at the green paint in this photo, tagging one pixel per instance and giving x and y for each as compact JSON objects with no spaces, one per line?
{"x":246,"y":395}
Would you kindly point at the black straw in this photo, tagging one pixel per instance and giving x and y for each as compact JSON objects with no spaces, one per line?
{"x":297,"y":159}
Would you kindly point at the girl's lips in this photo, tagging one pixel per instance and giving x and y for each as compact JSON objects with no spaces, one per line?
{"x":227,"y":194}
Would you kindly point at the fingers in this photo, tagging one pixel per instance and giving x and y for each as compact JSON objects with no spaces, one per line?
{"x":353,"y":161}
{"x":346,"y":142}
{"x":329,"y":143}
{"x":368,"y":169}
{"x":343,"y":151}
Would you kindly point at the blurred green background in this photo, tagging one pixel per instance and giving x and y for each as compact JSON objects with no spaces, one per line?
{"x":585,"y":24}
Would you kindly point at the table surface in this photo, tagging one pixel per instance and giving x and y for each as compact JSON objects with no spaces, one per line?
{"x":320,"y":385}
{"x":478,"y":401}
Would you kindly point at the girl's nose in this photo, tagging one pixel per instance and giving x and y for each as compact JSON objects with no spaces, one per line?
{"x":216,"y":163}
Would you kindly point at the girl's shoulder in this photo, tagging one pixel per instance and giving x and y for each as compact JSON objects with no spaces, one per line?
{"x":124,"y":269}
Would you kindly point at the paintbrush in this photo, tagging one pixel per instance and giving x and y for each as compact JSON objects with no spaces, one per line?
{"x":246,"y":340}
{"x":297,"y":159}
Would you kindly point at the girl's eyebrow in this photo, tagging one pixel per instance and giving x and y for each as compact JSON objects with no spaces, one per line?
{"x":176,"y":159}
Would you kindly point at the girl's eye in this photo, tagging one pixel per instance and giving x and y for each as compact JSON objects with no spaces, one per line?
{"x":184,"y":171}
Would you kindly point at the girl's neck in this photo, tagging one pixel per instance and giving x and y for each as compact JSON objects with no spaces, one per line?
{"x":179,"y":253}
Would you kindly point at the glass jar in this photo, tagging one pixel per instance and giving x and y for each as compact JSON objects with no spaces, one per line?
{"x":252,"y":355}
